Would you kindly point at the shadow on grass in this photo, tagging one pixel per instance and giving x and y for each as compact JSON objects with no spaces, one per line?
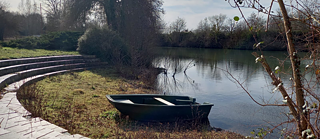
{"x":127,"y":124}
{"x":147,"y":77}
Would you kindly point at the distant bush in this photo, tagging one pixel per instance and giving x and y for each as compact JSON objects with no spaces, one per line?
{"x":52,"y":41}
{"x":61,"y":40}
{"x":27,"y":43}
{"x":105,"y":44}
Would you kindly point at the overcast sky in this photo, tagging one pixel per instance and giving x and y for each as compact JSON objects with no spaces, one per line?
{"x":191,"y":10}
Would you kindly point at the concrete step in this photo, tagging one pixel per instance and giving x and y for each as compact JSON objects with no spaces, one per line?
{"x":13,"y":121}
{"x":18,"y":84}
{"x":11,"y":78}
{"x":16,"y":73}
{"x":21,"y":67}
{"x":10,"y":62}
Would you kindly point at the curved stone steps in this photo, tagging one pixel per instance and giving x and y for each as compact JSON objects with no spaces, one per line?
{"x":21,"y":67}
{"x":5,"y":63}
{"x":17,"y":125}
{"x":28,"y":69}
{"x":14,"y":121}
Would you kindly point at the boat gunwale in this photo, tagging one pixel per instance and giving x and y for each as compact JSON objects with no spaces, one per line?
{"x":153,"y":105}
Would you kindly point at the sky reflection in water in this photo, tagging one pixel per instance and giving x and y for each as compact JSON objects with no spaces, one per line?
{"x":233,"y":109}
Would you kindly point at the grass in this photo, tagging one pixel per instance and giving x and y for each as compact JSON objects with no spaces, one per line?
{"x":76,"y":101}
{"x":1,"y":93}
{"x":10,"y":53}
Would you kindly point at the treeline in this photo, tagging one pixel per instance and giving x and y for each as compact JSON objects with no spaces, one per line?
{"x":66,"y":41}
{"x":32,"y":19}
{"x":121,"y":33}
{"x":219,"y":32}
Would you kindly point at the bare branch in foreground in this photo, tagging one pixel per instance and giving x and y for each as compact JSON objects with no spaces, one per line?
{"x":238,"y":82}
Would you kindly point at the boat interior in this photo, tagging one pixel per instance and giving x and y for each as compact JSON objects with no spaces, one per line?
{"x":155,"y":100}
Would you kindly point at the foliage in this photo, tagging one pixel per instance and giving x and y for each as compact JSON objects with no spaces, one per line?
{"x":137,"y":22}
{"x":26,"y":43}
{"x":105,"y":44}
{"x":110,"y":114}
{"x":236,"y":18}
{"x":62,"y":40}
{"x":66,"y":41}
{"x":260,"y":132}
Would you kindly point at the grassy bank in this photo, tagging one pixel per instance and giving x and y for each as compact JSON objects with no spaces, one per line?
{"x":76,"y":101}
{"x":10,"y":53}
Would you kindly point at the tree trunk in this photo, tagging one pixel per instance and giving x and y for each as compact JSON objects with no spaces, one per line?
{"x":110,"y":9}
{"x":295,"y":64}
{"x":2,"y":23}
{"x":2,"y":27}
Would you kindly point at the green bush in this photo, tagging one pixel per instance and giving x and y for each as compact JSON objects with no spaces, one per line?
{"x":52,"y":41}
{"x":61,"y":40}
{"x":28,"y":43}
{"x":105,"y":44}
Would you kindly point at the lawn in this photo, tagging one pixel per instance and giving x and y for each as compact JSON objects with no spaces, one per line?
{"x":76,"y":101}
{"x":10,"y":53}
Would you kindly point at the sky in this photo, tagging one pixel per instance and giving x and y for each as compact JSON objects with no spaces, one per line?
{"x":192,"y":11}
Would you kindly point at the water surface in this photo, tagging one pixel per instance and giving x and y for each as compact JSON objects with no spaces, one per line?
{"x":204,"y":74}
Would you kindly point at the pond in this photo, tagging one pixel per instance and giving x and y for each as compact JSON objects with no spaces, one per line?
{"x":204,"y":74}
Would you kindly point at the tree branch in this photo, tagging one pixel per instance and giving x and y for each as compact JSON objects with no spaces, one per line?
{"x":238,"y":82}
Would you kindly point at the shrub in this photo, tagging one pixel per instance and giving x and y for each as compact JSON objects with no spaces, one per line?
{"x":52,"y":41}
{"x":28,"y":43}
{"x":61,"y":40}
{"x":105,"y":44}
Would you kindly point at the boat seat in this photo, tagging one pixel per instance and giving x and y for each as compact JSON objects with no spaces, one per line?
{"x":126,"y":101}
{"x":185,"y":100}
{"x":164,"y":101}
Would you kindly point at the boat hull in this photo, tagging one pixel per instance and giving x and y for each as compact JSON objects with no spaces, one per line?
{"x":158,"y":112}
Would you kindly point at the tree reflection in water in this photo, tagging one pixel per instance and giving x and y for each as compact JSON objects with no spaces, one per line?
{"x":205,"y":81}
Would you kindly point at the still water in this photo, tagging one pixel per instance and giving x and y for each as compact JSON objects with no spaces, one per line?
{"x":203,"y":74}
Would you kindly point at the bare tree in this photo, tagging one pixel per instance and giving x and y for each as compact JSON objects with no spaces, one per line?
{"x":54,"y":11}
{"x":2,"y":20}
{"x":217,"y":22}
{"x":8,"y":22}
{"x":304,"y":90}
{"x":256,"y":22}
{"x":178,"y":25}
{"x":31,"y":21}
{"x":27,"y":8}
{"x":203,"y":25}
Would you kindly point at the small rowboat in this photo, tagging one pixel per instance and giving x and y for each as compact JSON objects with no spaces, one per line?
{"x":151,"y":107}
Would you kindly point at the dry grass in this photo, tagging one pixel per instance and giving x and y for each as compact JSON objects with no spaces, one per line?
{"x":76,"y":101}
{"x":1,"y":94}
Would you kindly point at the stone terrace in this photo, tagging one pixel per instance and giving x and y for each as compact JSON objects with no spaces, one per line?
{"x":15,"y":120}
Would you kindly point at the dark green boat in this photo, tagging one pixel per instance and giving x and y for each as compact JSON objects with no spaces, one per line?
{"x":153,"y":107}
